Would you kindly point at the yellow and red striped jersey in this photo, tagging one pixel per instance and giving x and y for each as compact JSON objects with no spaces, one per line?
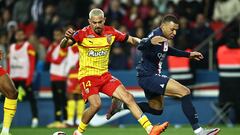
{"x":94,"y":49}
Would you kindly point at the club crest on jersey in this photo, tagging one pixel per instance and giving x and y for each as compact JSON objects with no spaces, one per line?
{"x":109,"y":38}
{"x":93,"y":53}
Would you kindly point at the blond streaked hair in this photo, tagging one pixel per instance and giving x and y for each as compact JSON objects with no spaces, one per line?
{"x":96,"y":12}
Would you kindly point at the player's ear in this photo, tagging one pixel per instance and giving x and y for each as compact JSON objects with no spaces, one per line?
{"x":89,"y":21}
{"x":104,"y":20}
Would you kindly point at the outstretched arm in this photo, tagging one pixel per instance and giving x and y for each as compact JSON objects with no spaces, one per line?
{"x":179,"y":53}
{"x":133,"y":40}
{"x":67,"y":40}
{"x":196,"y":56}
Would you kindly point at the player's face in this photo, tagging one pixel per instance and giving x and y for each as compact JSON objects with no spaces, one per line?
{"x":97,"y":23}
{"x":20,"y":36}
{"x":169,"y":29}
{"x":57,"y":35}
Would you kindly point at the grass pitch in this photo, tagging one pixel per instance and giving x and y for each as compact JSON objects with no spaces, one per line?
{"x":129,"y":130}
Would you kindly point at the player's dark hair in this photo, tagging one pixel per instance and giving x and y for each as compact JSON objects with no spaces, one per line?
{"x":169,"y":18}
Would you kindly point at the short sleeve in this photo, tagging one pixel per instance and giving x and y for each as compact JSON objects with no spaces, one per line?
{"x":78,"y":36}
{"x":121,"y":37}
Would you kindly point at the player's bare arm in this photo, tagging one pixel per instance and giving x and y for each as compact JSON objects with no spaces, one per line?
{"x":196,"y":56}
{"x":133,"y":40}
{"x":157,"y":40}
{"x":67,"y":40}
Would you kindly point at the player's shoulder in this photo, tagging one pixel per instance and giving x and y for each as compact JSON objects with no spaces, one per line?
{"x":107,"y":27}
{"x":110,"y":29}
{"x":85,"y":29}
{"x":82,"y":32}
{"x":155,"y":32}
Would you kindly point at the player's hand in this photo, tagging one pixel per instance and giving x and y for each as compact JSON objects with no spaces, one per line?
{"x":69,"y":33}
{"x":196,"y":56}
{"x":157,"y":40}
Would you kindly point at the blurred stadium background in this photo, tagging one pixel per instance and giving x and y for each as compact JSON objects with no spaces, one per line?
{"x":204,"y":26}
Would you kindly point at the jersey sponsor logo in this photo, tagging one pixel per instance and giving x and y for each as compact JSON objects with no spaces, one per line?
{"x":99,"y":120}
{"x":161,"y":56}
{"x":93,"y":53}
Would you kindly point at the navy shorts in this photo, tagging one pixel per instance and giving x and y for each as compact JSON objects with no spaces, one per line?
{"x":153,"y":86}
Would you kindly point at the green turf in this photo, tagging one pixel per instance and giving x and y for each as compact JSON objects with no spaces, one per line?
{"x":131,"y":130}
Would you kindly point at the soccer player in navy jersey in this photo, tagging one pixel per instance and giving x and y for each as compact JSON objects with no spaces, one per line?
{"x":154,"y":50}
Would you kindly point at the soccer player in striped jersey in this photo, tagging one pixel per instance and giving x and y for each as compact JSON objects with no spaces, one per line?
{"x":94,"y":43}
{"x":154,"y":49}
{"x":8,"y":89}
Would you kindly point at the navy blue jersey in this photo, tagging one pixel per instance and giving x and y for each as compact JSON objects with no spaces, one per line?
{"x":154,"y":55}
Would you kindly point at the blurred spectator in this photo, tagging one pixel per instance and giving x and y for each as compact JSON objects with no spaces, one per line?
{"x":228,"y":57}
{"x":12,"y":27}
{"x":183,"y":8}
{"x":170,"y":7}
{"x":195,"y":8}
{"x":183,"y":37}
{"x":226,"y":10}
{"x":66,"y":16}
{"x":40,"y":50}
{"x":199,"y":33}
{"x":7,"y":4}
{"x":57,"y":57}
{"x":48,"y":22}
{"x":144,"y":9}
{"x":115,"y":11}
{"x":22,"y":15}
{"x":130,"y":18}
{"x":208,"y":7}
{"x":37,"y":9}
{"x":21,"y":11}
{"x":83,"y":5}
{"x":189,"y":9}
{"x":153,"y":14}
{"x":21,"y":69}
{"x":6,"y":17}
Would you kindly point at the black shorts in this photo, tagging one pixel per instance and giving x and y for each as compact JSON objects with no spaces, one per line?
{"x":153,"y":86}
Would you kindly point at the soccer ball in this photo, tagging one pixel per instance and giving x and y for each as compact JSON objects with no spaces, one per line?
{"x":59,"y":133}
